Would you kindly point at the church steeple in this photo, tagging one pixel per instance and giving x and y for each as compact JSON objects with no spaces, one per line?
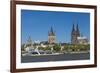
{"x":75,"y":34}
{"x":51,"y":32}
{"x":77,"y":30}
{"x":73,"y":29}
{"x":51,"y":36}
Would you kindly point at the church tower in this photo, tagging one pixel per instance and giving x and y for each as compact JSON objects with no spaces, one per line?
{"x":77,"y":31}
{"x":75,"y":34}
{"x":51,"y":36}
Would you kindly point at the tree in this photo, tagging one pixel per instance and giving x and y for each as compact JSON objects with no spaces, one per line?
{"x":66,"y":48}
{"x":57,"y":47}
{"x":47,"y":48}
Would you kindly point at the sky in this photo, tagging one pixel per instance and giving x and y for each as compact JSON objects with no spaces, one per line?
{"x":36,"y":24}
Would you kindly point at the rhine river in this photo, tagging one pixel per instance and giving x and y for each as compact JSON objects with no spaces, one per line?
{"x":60,"y":57}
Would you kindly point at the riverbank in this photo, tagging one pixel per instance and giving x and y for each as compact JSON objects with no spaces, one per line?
{"x":57,"y":57}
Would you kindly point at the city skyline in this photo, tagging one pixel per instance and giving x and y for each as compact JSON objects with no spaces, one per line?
{"x":37,"y":24}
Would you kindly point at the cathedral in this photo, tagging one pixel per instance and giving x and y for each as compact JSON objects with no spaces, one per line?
{"x":51,"y":36}
{"x":75,"y":34}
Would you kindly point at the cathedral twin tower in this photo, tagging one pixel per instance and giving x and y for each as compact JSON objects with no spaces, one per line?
{"x":74,"y":35}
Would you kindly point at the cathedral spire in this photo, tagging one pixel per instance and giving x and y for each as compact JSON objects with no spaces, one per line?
{"x":73,"y":29}
{"x":75,"y":34}
{"x":77,"y":30}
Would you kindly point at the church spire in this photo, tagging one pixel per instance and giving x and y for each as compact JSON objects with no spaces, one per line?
{"x":51,"y":32}
{"x":77,"y":30}
{"x":51,"y":36}
{"x":75,"y":33}
{"x":73,"y":29}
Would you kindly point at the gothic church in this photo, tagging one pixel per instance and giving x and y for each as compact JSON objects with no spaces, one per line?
{"x":75,"y":34}
{"x":51,"y":36}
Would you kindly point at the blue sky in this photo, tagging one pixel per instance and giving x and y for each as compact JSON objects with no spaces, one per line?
{"x":37,"y":24}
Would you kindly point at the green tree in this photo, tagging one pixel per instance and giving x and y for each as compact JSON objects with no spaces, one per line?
{"x":47,"y":48}
{"x":66,"y":48}
{"x":57,"y":47}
